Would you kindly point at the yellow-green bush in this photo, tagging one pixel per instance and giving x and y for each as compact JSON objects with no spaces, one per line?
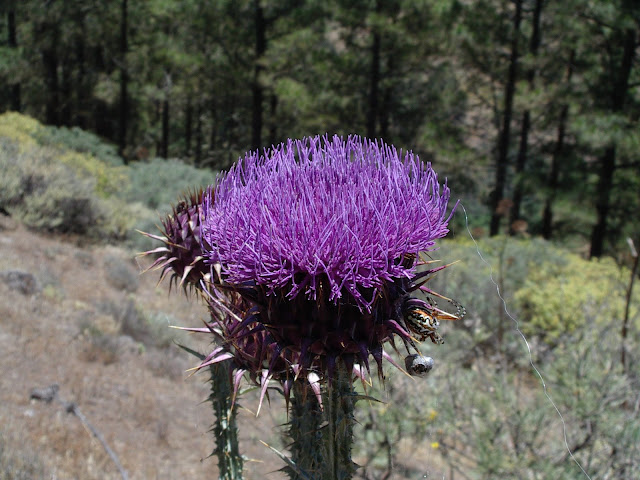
{"x":49,"y":186}
{"x":509,"y":262}
{"x":60,"y":145}
{"x":108,"y":179}
{"x":45,"y":194}
{"x":68,"y":180}
{"x":558,"y":298}
{"x":549,"y":290}
{"x":18,"y":128}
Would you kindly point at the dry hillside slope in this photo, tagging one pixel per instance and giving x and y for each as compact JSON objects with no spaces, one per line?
{"x":83,"y":318}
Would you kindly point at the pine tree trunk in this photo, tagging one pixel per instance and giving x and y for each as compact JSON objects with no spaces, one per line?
{"x":386,"y":103}
{"x":213,"y":133}
{"x":620,"y":87}
{"x":101,"y":117}
{"x":124,"y":80}
{"x":82,"y":89}
{"x":273,"y":124}
{"x":605,"y":183}
{"x":50,"y":61}
{"x":164,"y":145}
{"x":199,"y":136}
{"x":16,"y":101}
{"x":518,"y":190}
{"x":554,"y":173}
{"x":556,"y":159}
{"x":257,"y":90}
{"x":65,"y":93}
{"x":502,"y":157}
{"x":188,"y":127}
{"x":374,"y":81}
{"x":521,"y":160}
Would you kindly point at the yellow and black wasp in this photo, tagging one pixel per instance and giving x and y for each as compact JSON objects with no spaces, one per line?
{"x":423,"y":318}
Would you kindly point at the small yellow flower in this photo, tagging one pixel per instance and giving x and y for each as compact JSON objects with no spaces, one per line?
{"x":435,"y":445}
{"x":432,"y":414}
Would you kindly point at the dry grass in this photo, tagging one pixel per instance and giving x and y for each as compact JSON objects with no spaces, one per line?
{"x":131,"y":387}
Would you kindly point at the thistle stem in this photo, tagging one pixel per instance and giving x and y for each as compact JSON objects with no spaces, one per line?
{"x":225,"y":428}
{"x":340,"y":405}
{"x":323,"y":438}
{"x":305,"y":419}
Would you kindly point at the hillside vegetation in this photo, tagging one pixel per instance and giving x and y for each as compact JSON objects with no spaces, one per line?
{"x":529,"y":107}
{"x":69,"y":206}
{"x":63,"y":180}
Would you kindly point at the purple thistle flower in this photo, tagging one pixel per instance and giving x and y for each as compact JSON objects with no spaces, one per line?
{"x":348,"y":213}
{"x":320,"y":238}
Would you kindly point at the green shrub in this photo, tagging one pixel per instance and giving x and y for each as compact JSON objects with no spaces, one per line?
{"x":108,"y":180}
{"x":45,"y":194}
{"x":548,"y":290}
{"x":148,"y":328}
{"x":67,"y":180}
{"x":500,"y":421}
{"x":558,"y":297}
{"x":486,"y":326}
{"x":124,"y":219}
{"x":79,"y":141}
{"x":494,"y":419}
{"x":154,"y":187}
{"x":19,"y":129}
{"x":49,"y":186}
{"x":158,"y":183}
{"x":28,"y":131}
{"x":81,"y":151}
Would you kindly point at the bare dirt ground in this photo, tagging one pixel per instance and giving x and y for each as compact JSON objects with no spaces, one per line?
{"x":75,"y":329}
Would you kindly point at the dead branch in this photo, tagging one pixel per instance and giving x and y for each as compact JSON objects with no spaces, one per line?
{"x":50,"y":393}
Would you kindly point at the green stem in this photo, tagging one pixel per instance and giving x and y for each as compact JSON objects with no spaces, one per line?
{"x":224,"y":428}
{"x":305,"y":419}
{"x":339,"y":401}
{"x":322,"y":439}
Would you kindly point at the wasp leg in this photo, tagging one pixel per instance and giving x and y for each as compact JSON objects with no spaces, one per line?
{"x":436,"y":338}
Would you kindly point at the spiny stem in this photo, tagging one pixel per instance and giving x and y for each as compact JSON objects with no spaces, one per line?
{"x":340,"y":404}
{"x":322,"y":438}
{"x":224,"y":428}
{"x":305,"y":419}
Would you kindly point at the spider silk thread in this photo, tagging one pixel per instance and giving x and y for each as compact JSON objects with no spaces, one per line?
{"x":516,"y":324}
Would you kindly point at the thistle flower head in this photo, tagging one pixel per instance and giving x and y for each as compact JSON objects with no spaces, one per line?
{"x":321,"y":239}
{"x":349,"y":216}
{"x":181,"y":255}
